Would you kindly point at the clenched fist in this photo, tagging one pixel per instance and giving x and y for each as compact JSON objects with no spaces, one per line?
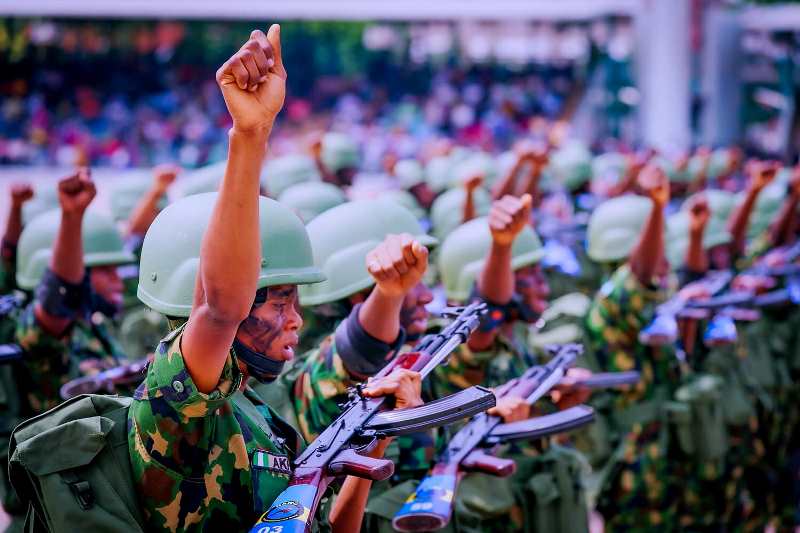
{"x":20,"y":193}
{"x":473,"y":182}
{"x":699,"y":214}
{"x":164,"y":175}
{"x":507,"y":217}
{"x":762,"y":174}
{"x":405,"y":385}
{"x":397,"y":264}
{"x":76,"y":192}
{"x":655,"y":184}
{"x":253,"y":81}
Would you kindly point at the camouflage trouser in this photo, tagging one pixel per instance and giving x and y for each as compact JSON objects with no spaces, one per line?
{"x":644,"y":486}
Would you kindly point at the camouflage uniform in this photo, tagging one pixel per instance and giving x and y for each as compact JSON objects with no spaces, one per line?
{"x":205,"y":462}
{"x":641,"y":492}
{"x":86,"y":349}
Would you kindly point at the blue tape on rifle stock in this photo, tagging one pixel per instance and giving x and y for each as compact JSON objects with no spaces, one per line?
{"x":433,"y":498}
{"x":290,"y":512}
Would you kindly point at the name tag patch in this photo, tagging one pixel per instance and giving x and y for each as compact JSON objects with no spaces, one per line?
{"x":272,"y":462}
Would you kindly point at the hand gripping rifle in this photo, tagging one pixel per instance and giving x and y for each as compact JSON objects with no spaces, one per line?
{"x":338,"y":450}
{"x":663,"y":329}
{"x":431,"y":507}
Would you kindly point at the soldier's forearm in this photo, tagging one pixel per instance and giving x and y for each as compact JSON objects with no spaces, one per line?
{"x":496,"y":282}
{"x":13,"y":224}
{"x":696,"y":257}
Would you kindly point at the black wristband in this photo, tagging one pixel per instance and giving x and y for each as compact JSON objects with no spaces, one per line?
{"x":361,"y":353}
{"x":61,"y":298}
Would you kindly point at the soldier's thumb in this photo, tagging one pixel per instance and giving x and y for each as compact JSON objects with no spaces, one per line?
{"x":274,"y":38}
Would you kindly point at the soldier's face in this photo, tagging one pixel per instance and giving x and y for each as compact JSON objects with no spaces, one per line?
{"x":413,"y":314}
{"x":531,"y":284}
{"x":107,"y":284}
{"x":273,"y":324}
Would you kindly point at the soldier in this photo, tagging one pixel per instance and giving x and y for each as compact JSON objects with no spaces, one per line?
{"x":640,"y":491}
{"x":63,"y":330}
{"x":20,"y":193}
{"x":341,"y":240}
{"x":193,"y":417}
{"x":337,"y":158}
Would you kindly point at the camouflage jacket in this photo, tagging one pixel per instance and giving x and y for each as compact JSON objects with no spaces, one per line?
{"x":205,"y":462}
{"x":85,"y":349}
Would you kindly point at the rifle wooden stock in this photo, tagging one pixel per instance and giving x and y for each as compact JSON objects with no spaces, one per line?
{"x":336,"y":451}
{"x":431,"y":506}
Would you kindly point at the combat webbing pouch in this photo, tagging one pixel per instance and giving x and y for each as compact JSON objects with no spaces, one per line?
{"x":70,"y":467}
{"x":551,"y":491}
{"x":697,"y":420}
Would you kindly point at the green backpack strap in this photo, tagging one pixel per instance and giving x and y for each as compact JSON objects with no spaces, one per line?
{"x":89,"y":481}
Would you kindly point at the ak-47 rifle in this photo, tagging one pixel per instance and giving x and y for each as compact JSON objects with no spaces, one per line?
{"x":106,"y":382}
{"x":741,"y":306}
{"x":663,"y":329}
{"x":338,"y":450}
{"x":431,"y":506}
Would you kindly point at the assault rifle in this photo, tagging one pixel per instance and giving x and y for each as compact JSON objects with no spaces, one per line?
{"x":664,"y":327}
{"x":339,"y":450}
{"x":607,"y":380}
{"x":106,"y":382}
{"x":470,"y":449}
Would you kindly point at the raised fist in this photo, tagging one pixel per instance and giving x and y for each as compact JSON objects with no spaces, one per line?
{"x":405,"y":385}
{"x":20,"y":193}
{"x":655,"y":185}
{"x":253,"y":81}
{"x":397,"y":264}
{"x":165,"y":175}
{"x":507,"y":217}
{"x":511,"y":409}
{"x":76,"y":192}
{"x":699,"y":213}
{"x":762,"y":173}
{"x":473,"y":182}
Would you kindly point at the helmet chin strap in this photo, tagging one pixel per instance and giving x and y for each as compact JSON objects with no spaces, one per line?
{"x":261,"y":367}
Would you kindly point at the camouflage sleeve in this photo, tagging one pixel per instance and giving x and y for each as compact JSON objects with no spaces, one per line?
{"x":620,"y":310}
{"x":319,"y":389}
{"x":170,"y":421}
{"x":465,"y":368}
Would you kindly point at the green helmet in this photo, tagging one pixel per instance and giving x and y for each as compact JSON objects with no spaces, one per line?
{"x":339,"y":151}
{"x":409,"y":173}
{"x":341,"y":238}
{"x":463,"y":253}
{"x":44,"y":199}
{"x":171,"y":252}
{"x":125,"y":197}
{"x":720,"y":202}
{"x":669,"y":169}
{"x":677,"y":236}
{"x":437,"y":173}
{"x":767,"y":206}
{"x":479,"y":163}
{"x":447,"y":209}
{"x":406,"y":199}
{"x":719,"y":161}
{"x":614,"y":227}
{"x":610,"y":166}
{"x":141,"y":330}
{"x":204,"y":179}
{"x":311,"y":198}
{"x":102,"y":245}
{"x":572,"y":165}
{"x":281,"y":173}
